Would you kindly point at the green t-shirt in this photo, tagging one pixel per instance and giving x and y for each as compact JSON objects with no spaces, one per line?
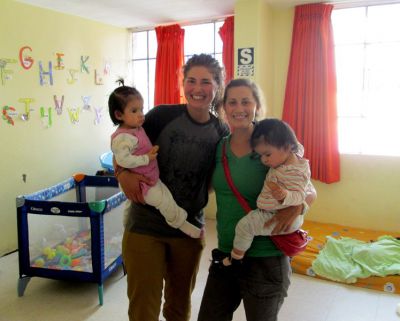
{"x":248,"y":175}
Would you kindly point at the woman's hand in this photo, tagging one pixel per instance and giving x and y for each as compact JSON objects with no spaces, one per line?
{"x":284,"y":218}
{"x":130,"y":183}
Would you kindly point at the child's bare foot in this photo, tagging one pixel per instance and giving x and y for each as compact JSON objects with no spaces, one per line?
{"x":227,"y":261}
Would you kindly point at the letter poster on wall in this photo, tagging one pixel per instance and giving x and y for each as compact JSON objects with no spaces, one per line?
{"x":245,"y":66}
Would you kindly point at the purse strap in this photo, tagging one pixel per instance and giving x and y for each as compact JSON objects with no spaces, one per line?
{"x":228,"y":176}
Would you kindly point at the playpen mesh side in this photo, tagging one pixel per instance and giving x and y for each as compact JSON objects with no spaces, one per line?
{"x":113,"y":228}
{"x":59,"y":241}
{"x":62,"y":242}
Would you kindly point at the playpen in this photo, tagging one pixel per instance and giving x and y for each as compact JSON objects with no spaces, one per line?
{"x":71,"y":231}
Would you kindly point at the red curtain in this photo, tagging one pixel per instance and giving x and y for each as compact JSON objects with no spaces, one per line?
{"x":169,"y":62}
{"x":226,"y":33}
{"x":310,"y":97}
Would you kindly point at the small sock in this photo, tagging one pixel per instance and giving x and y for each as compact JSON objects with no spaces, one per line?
{"x":190,"y":229}
{"x":236,"y":256}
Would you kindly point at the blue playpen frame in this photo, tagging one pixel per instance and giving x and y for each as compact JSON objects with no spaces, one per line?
{"x":37,"y":203}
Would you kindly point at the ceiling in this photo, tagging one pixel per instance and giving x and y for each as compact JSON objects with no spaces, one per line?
{"x":149,"y":13}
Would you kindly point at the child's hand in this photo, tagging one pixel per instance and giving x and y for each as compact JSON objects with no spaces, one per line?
{"x":277,"y":192}
{"x":153,"y":152}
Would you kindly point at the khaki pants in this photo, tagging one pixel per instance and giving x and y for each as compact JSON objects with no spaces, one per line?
{"x":150,"y":261}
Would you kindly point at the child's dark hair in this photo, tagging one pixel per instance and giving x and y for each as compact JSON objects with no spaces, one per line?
{"x":119,"y":98}
{"x":274,"y":132}
{"x":213,"y":66}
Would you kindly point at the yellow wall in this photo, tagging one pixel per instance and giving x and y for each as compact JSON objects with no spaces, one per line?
{"x":368,"y":193}
{"x":49,"y":155}
{"x":366,"y":196}
{"x":255,"y":17}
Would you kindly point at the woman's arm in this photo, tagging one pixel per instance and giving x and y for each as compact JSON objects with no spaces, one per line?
{"x":130,"y":183}
{"x":285,"y":217}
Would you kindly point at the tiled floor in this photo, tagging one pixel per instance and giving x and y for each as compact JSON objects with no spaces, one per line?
{"x":309,"y":299}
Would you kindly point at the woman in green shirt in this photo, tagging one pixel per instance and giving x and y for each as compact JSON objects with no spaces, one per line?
{"x":262,"y":278}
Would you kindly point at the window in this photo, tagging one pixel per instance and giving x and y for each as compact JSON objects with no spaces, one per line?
{"x":367,"y":50}
{"x":199,"y":38}
{"x":144,"y":51}
{"x":203,"y":38}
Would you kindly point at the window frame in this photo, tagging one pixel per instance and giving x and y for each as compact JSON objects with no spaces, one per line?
{"x":217,"y":23}
{"x":357,"y":128}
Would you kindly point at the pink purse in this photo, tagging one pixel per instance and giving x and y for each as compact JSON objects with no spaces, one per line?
{"x":290,"y":244}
